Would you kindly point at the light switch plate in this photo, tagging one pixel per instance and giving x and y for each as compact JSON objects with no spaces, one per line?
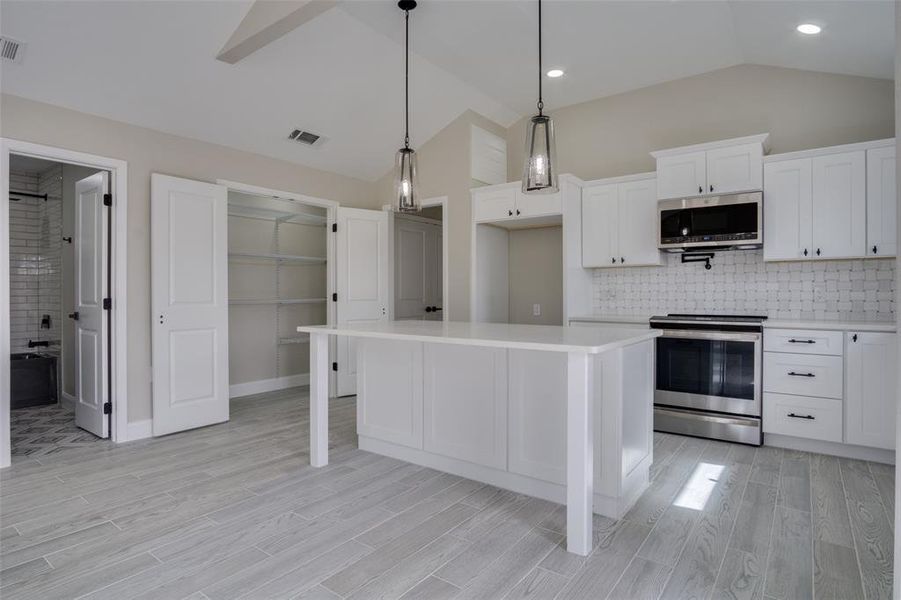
{"x":536,"y":310}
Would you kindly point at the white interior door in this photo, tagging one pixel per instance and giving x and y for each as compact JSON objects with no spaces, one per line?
{"x":91,"y":323}
{"x":417,"y":269}
{"x":189,"y":303}
{"x":362,"y":281}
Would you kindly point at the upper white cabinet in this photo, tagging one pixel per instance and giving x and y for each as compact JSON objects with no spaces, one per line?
{"x":619,"y":223}
{"x":872,"y":380}
{"x":830,"y":203}
{"x":721,"y":167}
{"x":882,"y":203}
{"x":507,"y":202}
{"x":488,"y":154}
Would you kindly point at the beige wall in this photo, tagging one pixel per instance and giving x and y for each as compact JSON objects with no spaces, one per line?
{"x":444,"y":170}
{"x":800,"y":109}
{"x":147,"y":152}
{"x":536,"y":275}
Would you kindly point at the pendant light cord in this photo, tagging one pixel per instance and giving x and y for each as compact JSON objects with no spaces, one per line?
{"x":407,"y":79}
{"x":540,"y":100}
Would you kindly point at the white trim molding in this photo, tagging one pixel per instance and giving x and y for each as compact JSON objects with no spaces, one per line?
{"x":139,"y":430}
{"x":261,"y":386}
{"x":119,"y":431}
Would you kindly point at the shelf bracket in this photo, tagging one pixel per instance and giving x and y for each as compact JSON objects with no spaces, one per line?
{"x":703,"y":257}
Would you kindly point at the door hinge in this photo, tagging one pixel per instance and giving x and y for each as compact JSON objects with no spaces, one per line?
{"x":334,"y":228}
{"x":335,"y":297}
{"x":107,"y":408}
{"x":107,"y":199}
{"x":107,"y":304}
{"x":334,"y":366}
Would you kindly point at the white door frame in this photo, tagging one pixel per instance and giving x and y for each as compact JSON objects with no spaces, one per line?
{"x":119,"y":347}
{"x":428,"y":202}
{"x":331,"y":207}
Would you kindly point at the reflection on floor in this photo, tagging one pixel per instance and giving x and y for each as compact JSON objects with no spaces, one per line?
{"x":44,"y":430}
{"x":235,"y":511}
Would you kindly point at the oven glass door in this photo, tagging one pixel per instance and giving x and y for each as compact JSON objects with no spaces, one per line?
{"x":709,"y":371}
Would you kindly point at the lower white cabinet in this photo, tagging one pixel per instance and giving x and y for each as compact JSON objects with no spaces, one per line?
{"x":803,"y":374}
{"x":872,"y":380}
{"x":394,"y":411}
{"x":466,"y":417}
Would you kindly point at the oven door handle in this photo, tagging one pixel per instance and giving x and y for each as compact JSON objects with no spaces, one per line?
{"x":701,"y":334}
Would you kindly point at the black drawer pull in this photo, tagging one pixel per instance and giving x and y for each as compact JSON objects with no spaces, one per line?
{"x":794,"y":341}
{"x":794,"y":416}
{"x":793,"y":374}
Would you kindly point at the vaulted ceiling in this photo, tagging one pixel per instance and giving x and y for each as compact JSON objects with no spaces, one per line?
{"x":340,"y":73}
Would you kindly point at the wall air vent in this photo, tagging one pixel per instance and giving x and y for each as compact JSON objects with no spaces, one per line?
{"x":11,"y":50}
{"x":305,"y":137}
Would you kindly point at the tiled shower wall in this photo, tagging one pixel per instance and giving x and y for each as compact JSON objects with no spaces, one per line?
{"x":741,"y":283}
{"x":35,"y":258}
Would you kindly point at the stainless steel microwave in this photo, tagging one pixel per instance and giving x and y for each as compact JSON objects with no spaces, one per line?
{"x":727,"y":222}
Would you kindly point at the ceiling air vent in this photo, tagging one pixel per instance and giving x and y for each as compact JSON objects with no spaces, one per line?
{"x":305,"y":137}
{"x":11,"y":50}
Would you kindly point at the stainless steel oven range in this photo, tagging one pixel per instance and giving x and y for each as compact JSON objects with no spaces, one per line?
{"x":708,"y":376}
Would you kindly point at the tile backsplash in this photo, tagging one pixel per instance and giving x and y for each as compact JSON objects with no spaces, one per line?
{"x":740,"y":282}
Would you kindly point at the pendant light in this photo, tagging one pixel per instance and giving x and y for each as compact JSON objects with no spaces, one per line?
{"x":540,"y":172}
{"x":406,"y":184}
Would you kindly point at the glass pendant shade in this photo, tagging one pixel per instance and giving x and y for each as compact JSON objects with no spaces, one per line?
{"x":539,"y":173}
{"x":406,"y":183}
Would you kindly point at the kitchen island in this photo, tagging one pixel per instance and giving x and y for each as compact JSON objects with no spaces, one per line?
{"x":520,"y":407}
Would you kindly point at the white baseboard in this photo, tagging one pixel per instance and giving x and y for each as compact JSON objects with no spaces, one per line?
{"x":138,"y":430}
{"x":67,"y":401}
{"x":268,"y":385}
{"x":832,"y":448}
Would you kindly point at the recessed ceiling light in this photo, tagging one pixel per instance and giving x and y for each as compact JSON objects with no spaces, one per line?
{"x":554,"y":73}
{"x":809,"y":28}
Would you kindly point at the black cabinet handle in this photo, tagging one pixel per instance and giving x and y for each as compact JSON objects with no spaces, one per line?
{"x":794,"y":416}
{"x":613,"y":260}
{"x":711,"y":188}
{"x":874,"y":249}
{"x":428,"y":309}
{"x":854,"y":338}
{"x":700,"y":190}
{"x":436,"y":309}
{"x":509,"y":213}
{"x":818,"y":251}
{"x":805,"y":251}
{"x":74,"y":316}
{"x":621,"y":259}
{"x":794,"y":341}
{"x":517,"y":212}
{"x":793,"y":374}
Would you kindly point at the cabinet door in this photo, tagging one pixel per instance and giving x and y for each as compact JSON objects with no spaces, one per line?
{"x":870,"y":408}
{"x":466,"y":417}
{"x":638,"y":223}
{"x":536,"y":205}
{"x":787,"y":206}
{"x":882,"y":203}
{"x":839,"y":205}
{"x":734,"y":169}
{"x":389,"y":391}
{"x":495,"y":204}
{"x":600,"y":226}
{"x":681,"y":175}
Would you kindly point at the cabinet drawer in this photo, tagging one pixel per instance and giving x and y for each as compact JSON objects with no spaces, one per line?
{"x":803,"y":374}
{"x":803,"y":341}
{"x":814,"y":418}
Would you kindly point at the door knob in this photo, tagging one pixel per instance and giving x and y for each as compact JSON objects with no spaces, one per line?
{"x":74,"y":316}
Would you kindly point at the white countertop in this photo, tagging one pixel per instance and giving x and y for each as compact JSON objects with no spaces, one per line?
{"x":590,"y":340}
{"x":601,"y":318}
{"x":885,"y":326}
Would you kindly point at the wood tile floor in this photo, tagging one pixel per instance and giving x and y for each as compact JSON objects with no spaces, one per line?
{"x":42,"y":430}
{"x":235,"y":511}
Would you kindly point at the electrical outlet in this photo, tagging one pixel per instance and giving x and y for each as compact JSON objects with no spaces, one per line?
{"x":536,"y":310}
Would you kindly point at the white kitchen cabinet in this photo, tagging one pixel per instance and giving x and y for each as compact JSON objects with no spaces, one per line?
{"x":721,"y":167}
{"x":466,"y":417}
{"x":734,"y":169}
{"x":390,"y":404}
{"x":682,"y":175}
{"x":494,"y":203}
{"x":872,"y":381}
{"x":536,"y":205}
{"x":600,"y":226}
{"x":803,"y":416}
{"x":787,"y":210}
{"x":619,"y":224}
{"x":882,"y":202}
{"x":839,"y":205}
{"x":803,"y":374}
